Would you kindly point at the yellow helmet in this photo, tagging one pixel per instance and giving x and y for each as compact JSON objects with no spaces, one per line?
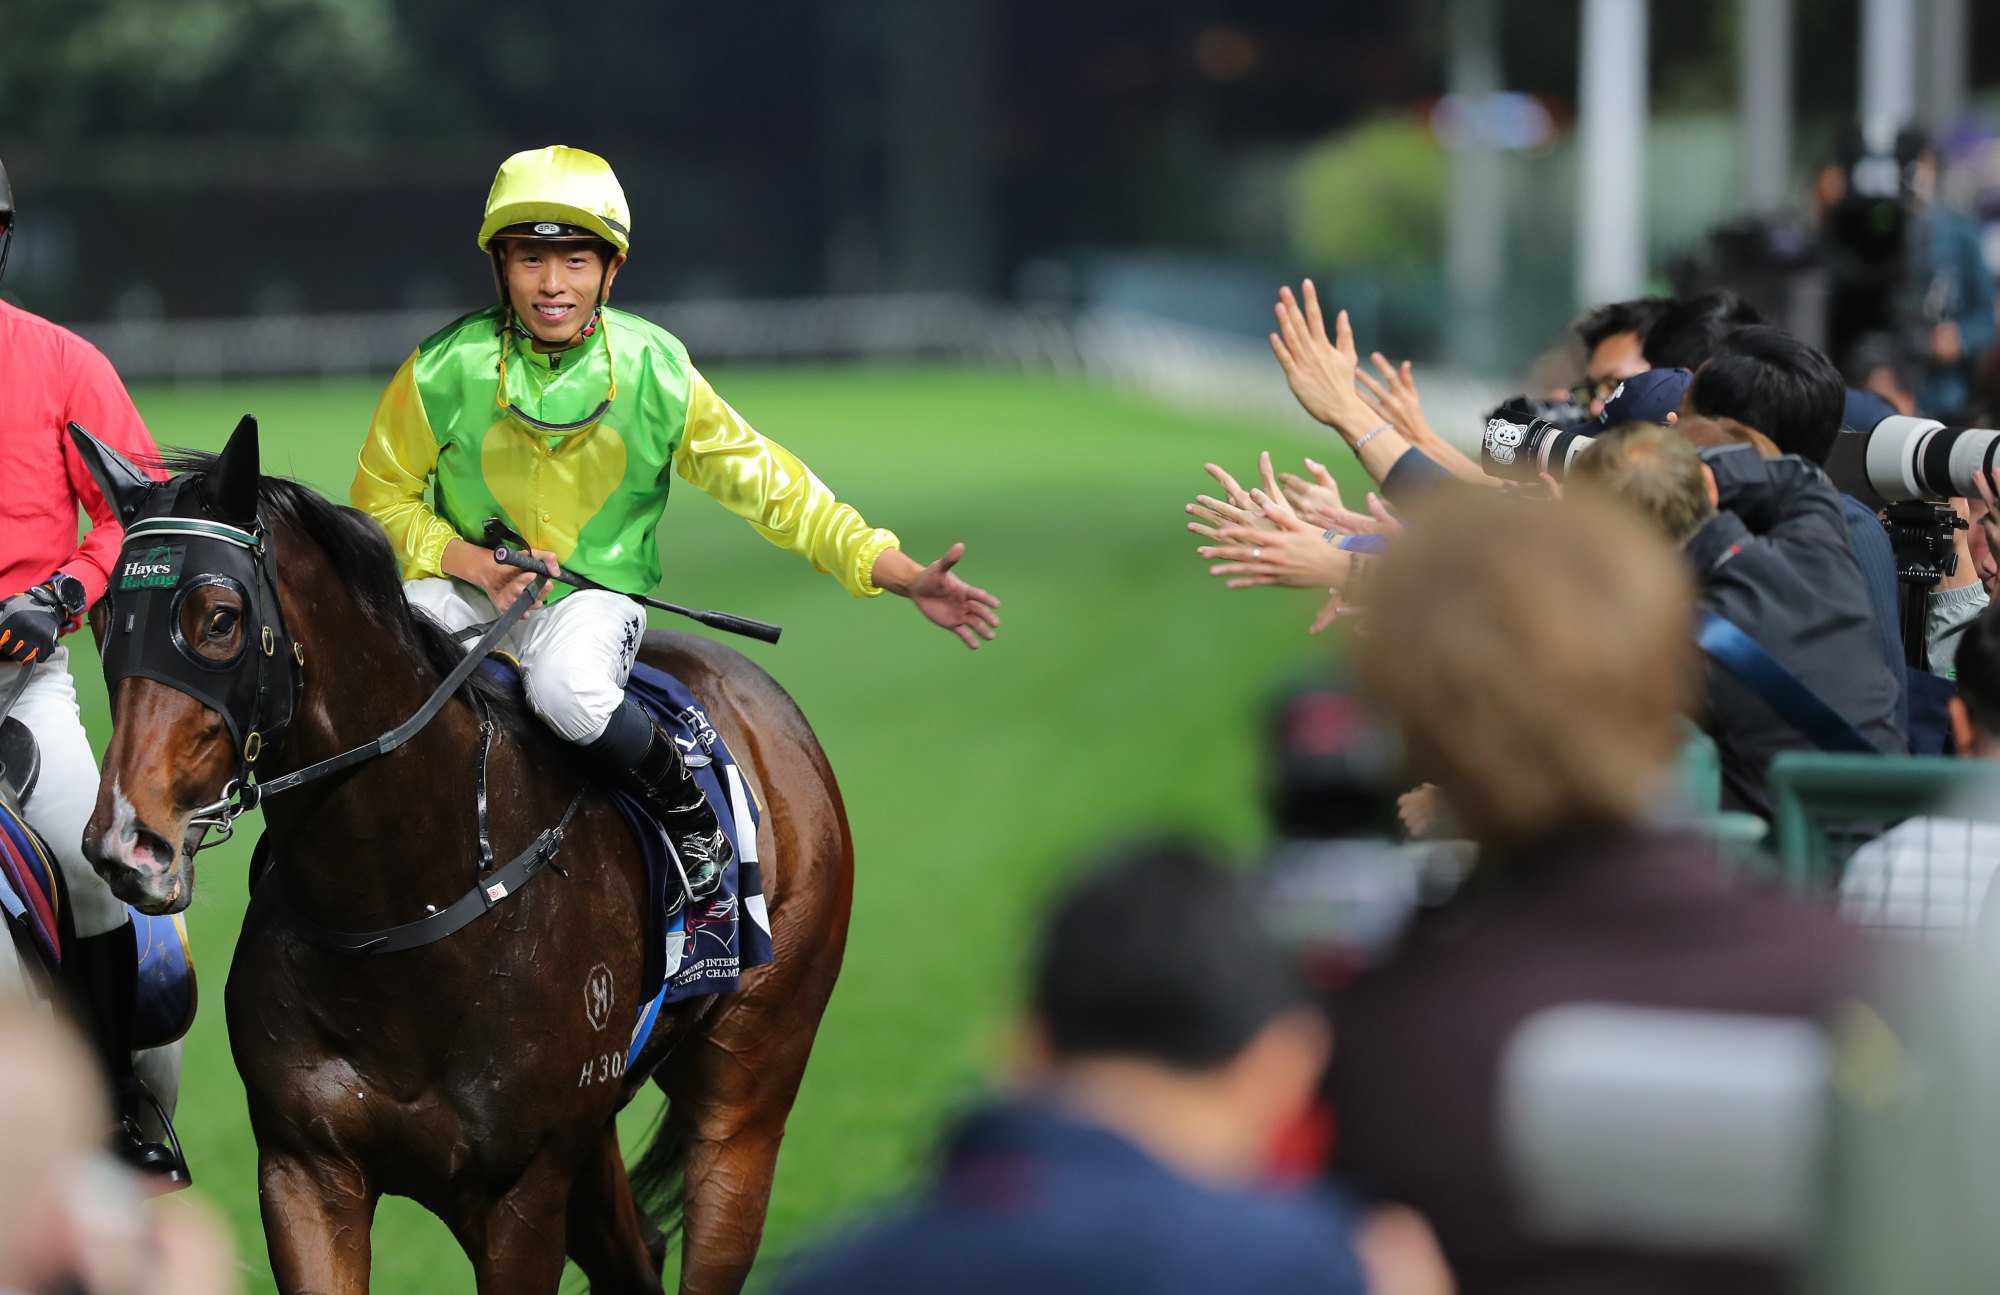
{"x":556,"y":193}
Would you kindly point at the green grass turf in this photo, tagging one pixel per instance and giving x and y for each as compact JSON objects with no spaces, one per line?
{"x":1124,"y":695}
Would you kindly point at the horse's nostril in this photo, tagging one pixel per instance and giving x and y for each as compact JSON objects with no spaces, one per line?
{"x":156,"y":845}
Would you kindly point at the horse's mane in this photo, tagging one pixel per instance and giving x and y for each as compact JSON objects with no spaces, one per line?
{"x":354,"y":542}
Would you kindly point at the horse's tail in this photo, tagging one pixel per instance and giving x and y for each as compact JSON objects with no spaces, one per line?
{"x":658,"y":1179}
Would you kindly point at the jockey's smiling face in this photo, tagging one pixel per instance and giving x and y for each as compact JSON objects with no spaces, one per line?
{"x":553,"y":287}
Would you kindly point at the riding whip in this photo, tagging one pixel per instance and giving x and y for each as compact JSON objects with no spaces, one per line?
{"x":508,"y":555}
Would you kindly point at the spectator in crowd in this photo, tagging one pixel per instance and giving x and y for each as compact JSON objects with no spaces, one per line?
{"x":1171,"y":1044}
{"x":1613,"y":338}
{"x":72,"y":1220}
{"x":1766,"y":544}
{"x":1875,"y":365}
{"x":1542,"y":693}
{"x":1958,"y":296}
{"x":1773,"y":383}
{"x":1687,"y":333}
{"x":1929,"y":876}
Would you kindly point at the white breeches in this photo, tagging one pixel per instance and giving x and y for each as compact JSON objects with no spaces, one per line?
{"x":575,"y":654}
{"x":66,"y":792}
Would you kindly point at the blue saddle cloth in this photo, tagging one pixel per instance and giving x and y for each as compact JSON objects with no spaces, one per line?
{"x":32,"y":895}
{"x":704,"y":948}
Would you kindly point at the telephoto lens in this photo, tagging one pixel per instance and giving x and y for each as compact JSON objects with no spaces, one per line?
{"x":1902,"y":459}
{"x":1524,"y":451}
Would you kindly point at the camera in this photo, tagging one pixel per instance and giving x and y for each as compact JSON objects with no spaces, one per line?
{"x":1903,"y":459}
{"x":1524,"y":408}
{"x":1518,"y":451}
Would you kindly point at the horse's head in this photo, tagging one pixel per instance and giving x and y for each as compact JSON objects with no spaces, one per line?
{"x":201,"y":671}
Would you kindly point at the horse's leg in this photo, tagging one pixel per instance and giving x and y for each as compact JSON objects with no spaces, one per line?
{"x":729,"y":1092}
{"x":516,"y":1241}
{"x":606,"y":1236}
{"x":316,"y":1220}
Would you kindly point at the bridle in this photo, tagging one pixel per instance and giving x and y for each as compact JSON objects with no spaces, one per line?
{"x":256,"y":691}
{"x":166,"y":558}
{"x":174,"y":546}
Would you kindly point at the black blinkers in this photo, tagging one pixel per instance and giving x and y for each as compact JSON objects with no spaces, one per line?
{"x":182,"y":538}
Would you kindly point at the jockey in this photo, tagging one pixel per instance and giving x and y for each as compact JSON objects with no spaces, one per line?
{"x":568,"y":420}
{"x":49,"y":377}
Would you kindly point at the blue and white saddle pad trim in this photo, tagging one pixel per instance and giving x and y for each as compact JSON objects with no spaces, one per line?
{"x":704,"y":947}
{"x":32,"y":894}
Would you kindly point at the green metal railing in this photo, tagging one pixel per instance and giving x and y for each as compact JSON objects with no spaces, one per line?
{"x":1811,"y":793}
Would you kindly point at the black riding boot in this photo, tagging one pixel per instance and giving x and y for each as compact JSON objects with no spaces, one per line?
{"x":647,"y":762}
{"x":103,"y":973}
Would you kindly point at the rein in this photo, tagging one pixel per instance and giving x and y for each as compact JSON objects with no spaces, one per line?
{"x":239,"y":797}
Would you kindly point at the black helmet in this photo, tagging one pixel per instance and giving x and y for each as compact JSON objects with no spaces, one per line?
{"x":6,"y":219}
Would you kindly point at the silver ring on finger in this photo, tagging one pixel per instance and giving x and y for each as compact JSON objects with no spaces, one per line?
{"x":1256,"y":555}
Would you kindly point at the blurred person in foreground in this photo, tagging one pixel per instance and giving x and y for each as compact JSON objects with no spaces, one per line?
{"x":50,"y":378}
{"x":1169,"y":1047}
{"x":72,"y":1221}
{"x":1536,"y":660}
{"x":1930,"y":875}
{"x":1765,"y":543}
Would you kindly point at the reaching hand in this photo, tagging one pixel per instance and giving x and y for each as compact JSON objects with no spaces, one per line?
{"x":1281,"y":549}
{"x":1336,"y":607}
{"x":1318,"y":501}
{"x":1395,"y":395}
{"x":1320,"y":370}
{"x":947,"y":600}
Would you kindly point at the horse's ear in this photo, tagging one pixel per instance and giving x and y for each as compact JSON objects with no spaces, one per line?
{"x":118,"y":479}
{"x":232,"y":483}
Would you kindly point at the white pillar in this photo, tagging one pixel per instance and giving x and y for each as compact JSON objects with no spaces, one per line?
{"x":1764,"y":100}
{"x":1888,"y":66}
{"x":1476,"y":229}
{"x":1611,"y":154}
{"x":1947,"y":61}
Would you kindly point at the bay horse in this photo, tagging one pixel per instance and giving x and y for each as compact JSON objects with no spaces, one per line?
{"x":450,"y":1073}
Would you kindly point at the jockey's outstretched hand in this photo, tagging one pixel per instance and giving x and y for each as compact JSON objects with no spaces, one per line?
{"x":966,"y":610}
{"x":502,"y":585}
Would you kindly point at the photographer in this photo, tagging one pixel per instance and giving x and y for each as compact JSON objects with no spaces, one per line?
{"x":1770,"y":382}
{"x":1688,"y":332}
{"x":1766,"y":543}
{"x":1613,"y":338}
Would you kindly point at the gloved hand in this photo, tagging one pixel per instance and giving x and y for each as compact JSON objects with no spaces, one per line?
{"x":30,"y":621}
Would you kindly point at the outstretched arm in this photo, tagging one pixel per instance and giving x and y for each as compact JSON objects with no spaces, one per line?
{"x":1320,"y":371}
{"x":765,"y":484}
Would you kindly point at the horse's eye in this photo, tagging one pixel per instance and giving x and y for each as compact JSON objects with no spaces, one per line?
{"x":221,"y":621}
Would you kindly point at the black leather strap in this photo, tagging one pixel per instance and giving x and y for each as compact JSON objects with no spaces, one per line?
{"x":254,"y":795}
{"x":479,"y":795}
{"x":487,"y":894}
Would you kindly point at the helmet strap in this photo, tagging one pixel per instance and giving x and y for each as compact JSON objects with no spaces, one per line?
{"x":6,"y":245}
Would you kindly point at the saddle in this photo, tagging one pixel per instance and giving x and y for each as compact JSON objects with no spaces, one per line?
{"x":700,"y":949}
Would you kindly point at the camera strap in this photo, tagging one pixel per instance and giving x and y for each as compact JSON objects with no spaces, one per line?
{"x":1784,"y":692}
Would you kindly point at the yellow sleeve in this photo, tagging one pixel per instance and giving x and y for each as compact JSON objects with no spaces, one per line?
{"x":765,"y":484}
{"x":397,"y":460}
